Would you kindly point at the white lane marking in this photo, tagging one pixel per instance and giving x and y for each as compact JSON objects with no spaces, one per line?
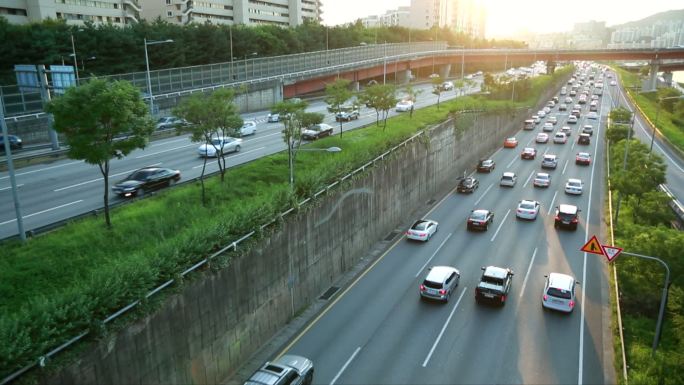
{"x":529,"y":268}
{"x":344,"y":367}
{"x":552,"y":200}
{"x":7,"y":188}
{"x":565,"y":166}
{"x":439,"y":337}
{"x":263,"y":136}
{"x":546,"y":150}
{"x":511,"y":162}
{"x":43,"y":169}
{"x":163,"y":151}
{"x":584,"y":264}
{"x":99,"y":179}
{"x":483,"y":194}
{"x":500,"y":224}
{"x":528,"y":179}
{"x":234,"y":156}
{"x":433,"y":254}
{"x":42,"y":212}
{"x":160,"y":143}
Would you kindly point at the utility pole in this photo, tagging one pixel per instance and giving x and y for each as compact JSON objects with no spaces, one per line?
{"x":10,"y":169}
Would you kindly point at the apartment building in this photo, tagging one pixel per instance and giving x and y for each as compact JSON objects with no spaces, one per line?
{"x":117,"y":12}
{"x":122,"y":12}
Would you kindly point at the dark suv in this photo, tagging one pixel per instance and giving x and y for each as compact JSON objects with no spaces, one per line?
{"x":567,"y":216}
{"x":494,"y":285}
{"x":467,"y":185}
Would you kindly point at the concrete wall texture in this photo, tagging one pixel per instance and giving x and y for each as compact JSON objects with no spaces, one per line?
{"x":202,"y":334}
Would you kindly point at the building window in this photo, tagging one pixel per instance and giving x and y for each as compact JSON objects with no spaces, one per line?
{"x":168,"y":2}
{"x":169,"y":13}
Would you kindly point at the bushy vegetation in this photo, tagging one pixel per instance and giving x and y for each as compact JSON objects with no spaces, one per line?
{"x":643,"y":228}
{"x":67,"y":281}
{"x":121,"y":50}
{"x":670,"y":113}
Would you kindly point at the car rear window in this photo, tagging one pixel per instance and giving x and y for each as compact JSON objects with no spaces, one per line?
{"x":527,"y":206}
{"x":558,"y":293}
{"x":432,"y":285}
{"x":420,"y":225}
{"x":479,"y":216}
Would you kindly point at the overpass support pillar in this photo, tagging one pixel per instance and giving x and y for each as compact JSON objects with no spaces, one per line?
{"x":444,"y":71}
{"x":650,"y":84}
{"x":277,"y":91}
{"x":550,"y":66}
{"x":355,"y":86}
{"x":667,"y":77}
{"x":404,"y":77}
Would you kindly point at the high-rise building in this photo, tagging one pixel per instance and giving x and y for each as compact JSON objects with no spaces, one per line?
{"x":121,"y":12}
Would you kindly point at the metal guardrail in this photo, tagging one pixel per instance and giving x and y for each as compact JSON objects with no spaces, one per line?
{"x":674,"y":204}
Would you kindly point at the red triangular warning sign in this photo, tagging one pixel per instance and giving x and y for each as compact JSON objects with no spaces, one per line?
{"x":611,"y":252}
{"x":593,"y":246}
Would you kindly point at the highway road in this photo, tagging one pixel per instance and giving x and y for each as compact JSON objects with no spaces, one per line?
{"x":66,"y":188}
{"x":643,"y":131}
{"x":378,"y":331}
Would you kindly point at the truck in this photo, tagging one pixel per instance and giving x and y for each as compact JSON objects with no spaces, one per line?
{"x":494,"y":285}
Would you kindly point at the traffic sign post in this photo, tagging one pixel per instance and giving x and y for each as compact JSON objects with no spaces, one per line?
{"x":611,"y":252}
{"x":593,"y":246}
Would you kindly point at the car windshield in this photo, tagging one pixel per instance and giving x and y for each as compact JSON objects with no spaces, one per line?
{"x":492,"y":280}
{"x":574,"y":184}
{"x":558,"y":293}
{"x":420,"y":225}
{"x":527,"y":205}
{"x":216,"y":141}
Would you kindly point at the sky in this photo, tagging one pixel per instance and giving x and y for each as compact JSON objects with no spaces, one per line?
{"x":506,"y":17}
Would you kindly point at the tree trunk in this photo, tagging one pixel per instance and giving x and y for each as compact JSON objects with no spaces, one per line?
{"x":221,"y":160}
{"x":104,"y":169}
{"x":204,"y":195}
{"x":338,"y":111}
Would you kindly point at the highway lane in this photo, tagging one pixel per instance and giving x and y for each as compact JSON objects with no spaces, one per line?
{"x":643,"y":131}
{"x":62,"y":189}
{"x":379,"y":331}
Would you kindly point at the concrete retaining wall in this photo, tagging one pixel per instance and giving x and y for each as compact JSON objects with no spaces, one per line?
{"x":204,"y":333}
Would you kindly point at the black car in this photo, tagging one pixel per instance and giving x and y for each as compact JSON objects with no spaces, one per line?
{"x":14,"y":142}
{"x":146,"y":179}
{"x":467,"y":185}
{"x":480,"y":219}
{"x":495,"y":283}
{"x":486,"y":165}
{"x":567,"y":216}
{"x":584,"y":139}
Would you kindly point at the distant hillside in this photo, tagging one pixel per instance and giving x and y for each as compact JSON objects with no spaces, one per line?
{"x":650,"y":20}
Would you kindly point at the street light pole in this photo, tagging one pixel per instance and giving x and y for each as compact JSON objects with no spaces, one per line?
{"x":73,"y":50}
{"x":655,"y":125}
{"x":384,"y":63}
{"x":147,"y":65}
{"x":10,"y":170}
{"x":329,"y":149}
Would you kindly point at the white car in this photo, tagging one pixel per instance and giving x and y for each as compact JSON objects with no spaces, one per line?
{"x":536,"y":119}
{"x":541,"y":113}
{"x":573,"y":186}
{"x":403,"y":106}
{"x":613,"y":83}
{"x":548,"y":127}
{"x":549,"y":161}
{"x":568,"y":100}
{"x":560,"y":138}
{"x":527,"y":210}
{"x":447,"y":86}
{"x":248,"y":128}
{"x":542,"y":179}
{"x":422,"y":230}
{"x":552,"y":119}
{"x":592,"y":115}
{"x":572,"y":119}
{"x":559,"y":292}
{"x":566,"y":130}
{"x":508,"y":179}
{"x":219,"y":145}
{"x":542,"y":137}
{"x":273,"y":117}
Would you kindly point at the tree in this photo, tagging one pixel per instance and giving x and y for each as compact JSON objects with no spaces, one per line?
{"x":412,"y":94}
{"x":644,"y":171}
{"x":102,"y":120}
{"x":294,"y":118}
{"x":337,"y":94}
{"x":437,"y":87}
{"x":380,"y":97}
{"x":211,"y":115}
{"x":653,"y":209}
{"x":621,"y":115}
{"x":488,"y":81}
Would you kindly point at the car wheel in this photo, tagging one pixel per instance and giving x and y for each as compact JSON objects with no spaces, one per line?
{"x":555,"y":225}
{"x":237,"y":148}
{"x":309,"y":378}
{"x":486,"y":227}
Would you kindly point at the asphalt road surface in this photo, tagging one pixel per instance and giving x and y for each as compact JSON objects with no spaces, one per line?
{"x":60,"y":190}
{"x":378,"y":331}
